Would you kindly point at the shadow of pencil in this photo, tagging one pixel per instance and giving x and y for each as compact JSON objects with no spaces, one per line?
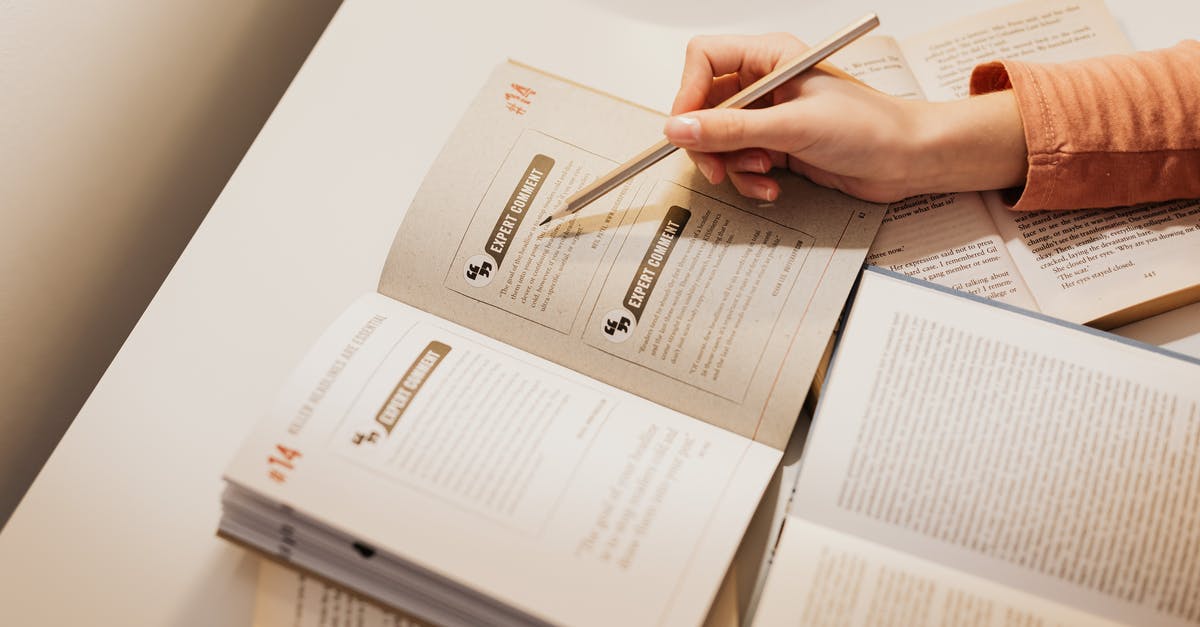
{"x":594,"y":222}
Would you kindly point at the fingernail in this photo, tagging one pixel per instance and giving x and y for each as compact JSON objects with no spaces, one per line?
{"x":682,"y":130}
{"x":765,"y":192}
{"x":706,"y":170}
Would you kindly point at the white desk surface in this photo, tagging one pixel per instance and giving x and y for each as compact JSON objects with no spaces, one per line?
{"x":118,"y":528}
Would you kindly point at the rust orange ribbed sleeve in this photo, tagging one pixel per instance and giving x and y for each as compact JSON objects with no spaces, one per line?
{"x":1109,"y":131}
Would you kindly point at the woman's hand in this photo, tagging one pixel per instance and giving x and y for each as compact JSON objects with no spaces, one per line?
{"x":835,"y":130}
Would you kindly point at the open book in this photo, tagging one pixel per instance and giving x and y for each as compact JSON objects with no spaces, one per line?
{"x":973,"y":463}
{"x":1102,"y":267}
{"x":290,"y":598}
{"x":570,"y":424}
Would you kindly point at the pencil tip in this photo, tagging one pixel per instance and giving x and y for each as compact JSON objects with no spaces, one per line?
{"x":546,"y":221}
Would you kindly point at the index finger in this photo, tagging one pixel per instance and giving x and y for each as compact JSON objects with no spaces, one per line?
{"x":709,"y":57}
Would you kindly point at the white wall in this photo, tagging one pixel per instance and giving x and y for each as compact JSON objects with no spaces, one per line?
{"x":120,"y":121}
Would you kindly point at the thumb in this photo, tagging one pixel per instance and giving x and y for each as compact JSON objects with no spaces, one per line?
{"x":726,"y":130}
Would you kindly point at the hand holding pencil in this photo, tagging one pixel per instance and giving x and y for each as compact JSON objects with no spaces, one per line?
{"x":762,"y":86}
{"x":822,"y":124}
{"x":836,"y":131}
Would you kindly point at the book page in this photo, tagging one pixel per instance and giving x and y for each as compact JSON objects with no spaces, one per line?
{"x":948,"y":239}
{"x":686,"y":294}
{"x":879,"y":62}
{"x":1107,"y":266}
{"x":823,"y":577}
{"x":1048,"y":458}
{"x":1035,"y":30}
{"x":434,"y":445}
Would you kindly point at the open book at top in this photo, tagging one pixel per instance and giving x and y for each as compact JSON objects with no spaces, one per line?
{"x":1104,"y":267}
{"x":684,"y":293}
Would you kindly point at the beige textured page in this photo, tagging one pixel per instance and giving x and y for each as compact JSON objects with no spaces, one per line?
{"x":1047,"y":459}
{"x":683,"y":293}
{"x":822,"y":577}
{"x":948,"y":239}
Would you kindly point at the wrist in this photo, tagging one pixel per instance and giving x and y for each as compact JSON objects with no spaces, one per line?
{"x":969,"y":145}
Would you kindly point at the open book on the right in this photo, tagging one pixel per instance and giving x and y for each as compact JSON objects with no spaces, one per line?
{"x":974,"y":463}
{"x":1103,"y":267}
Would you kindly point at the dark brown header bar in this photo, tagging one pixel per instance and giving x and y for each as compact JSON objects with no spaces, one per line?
{"x":415,"y":377}
{"x":655,"y":258}
{"x":521,"y":199}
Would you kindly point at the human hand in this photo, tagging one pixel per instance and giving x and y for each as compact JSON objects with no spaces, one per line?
{"x":835,"y":130}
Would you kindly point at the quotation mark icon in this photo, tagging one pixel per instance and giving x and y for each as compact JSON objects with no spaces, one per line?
{"x":474,"y":271}
{"x":618,"y":325}
{"x":612,"y":326}
{"x":479,"y":270}
{"x":359,"y":438}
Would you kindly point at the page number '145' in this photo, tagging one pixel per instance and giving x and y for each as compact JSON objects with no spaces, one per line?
{"x":281,"y":462}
